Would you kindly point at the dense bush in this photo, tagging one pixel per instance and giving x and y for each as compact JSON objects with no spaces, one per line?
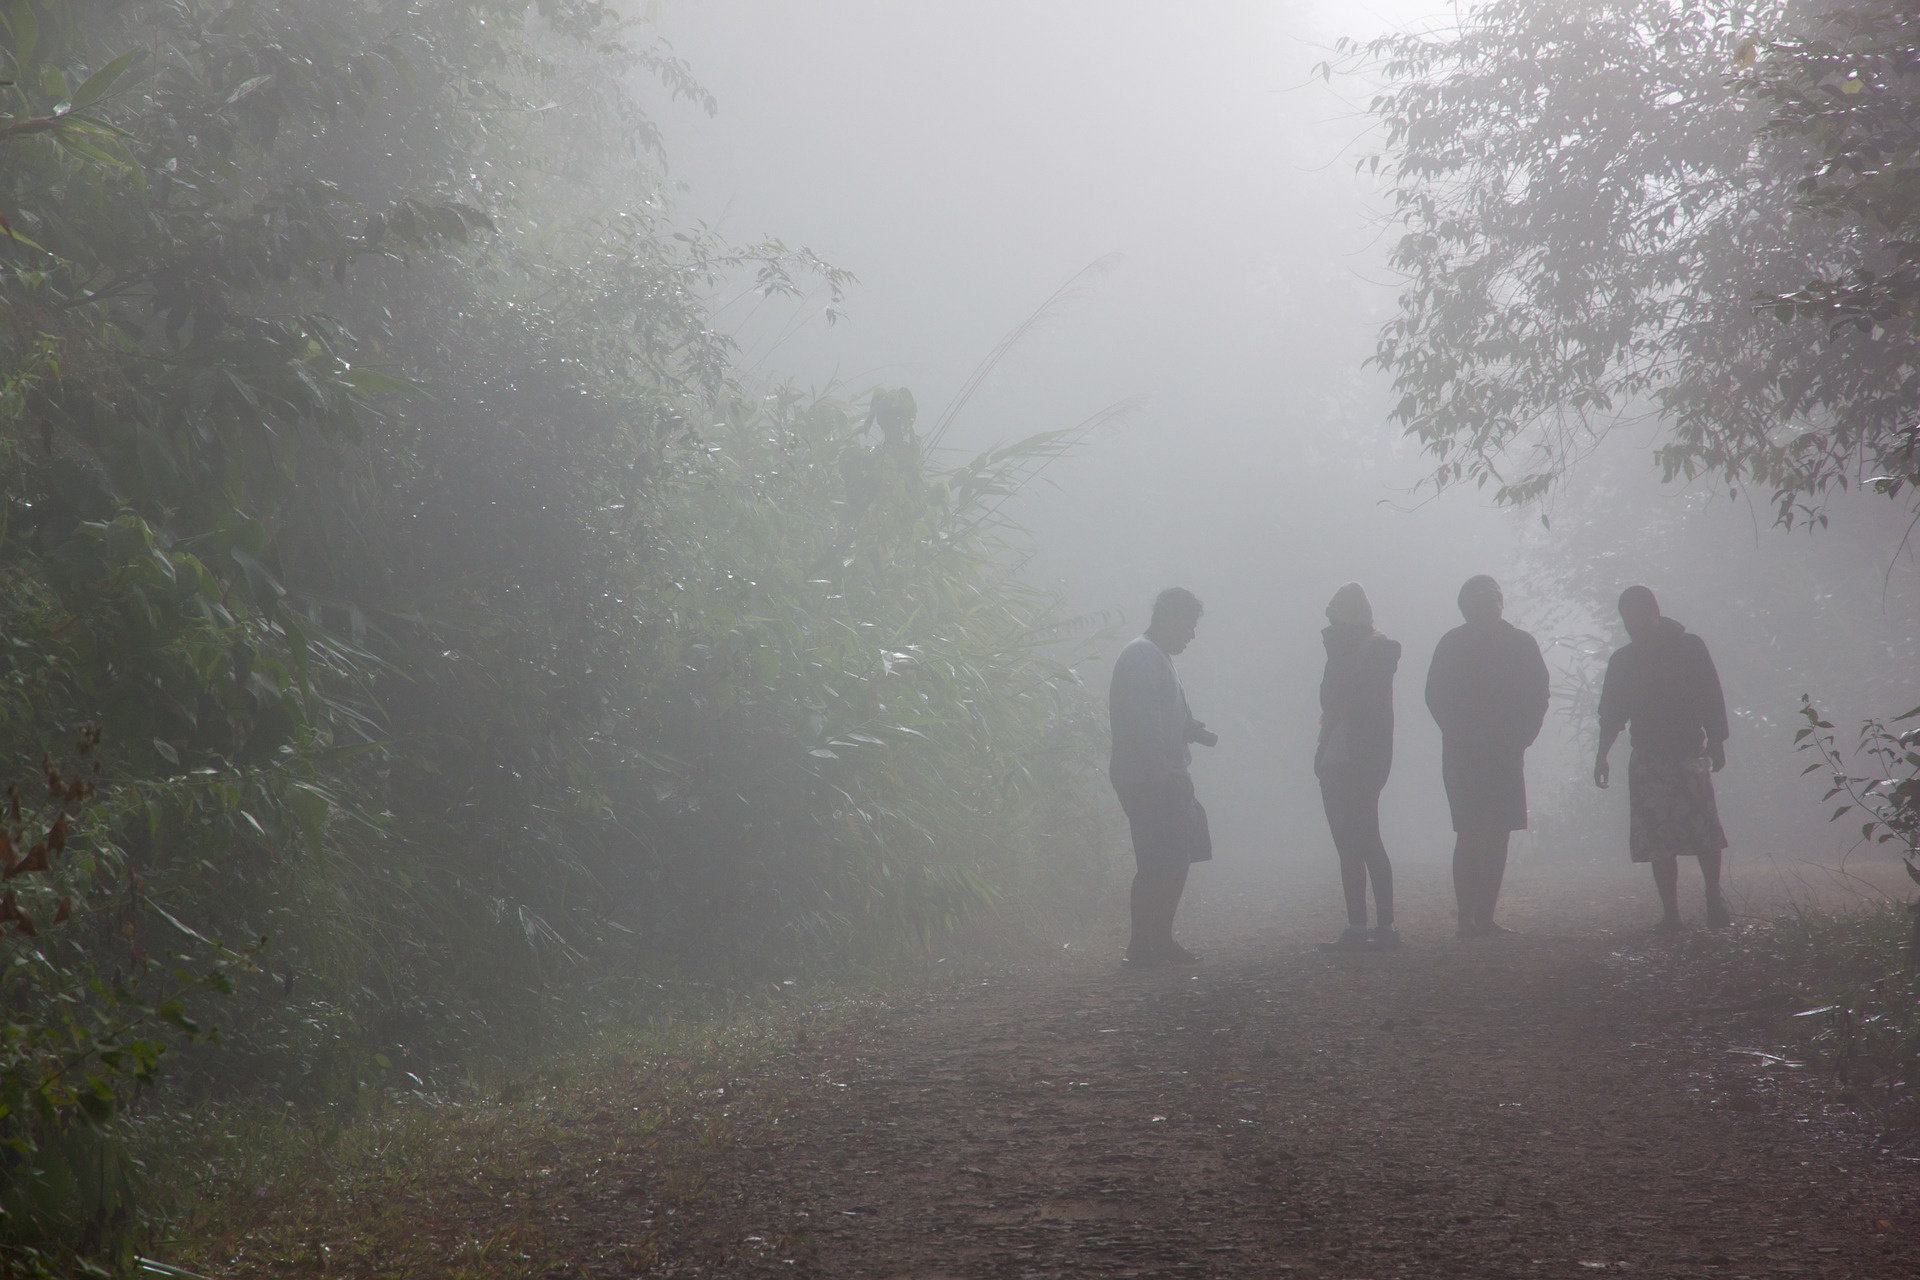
{"x":448,"y":616}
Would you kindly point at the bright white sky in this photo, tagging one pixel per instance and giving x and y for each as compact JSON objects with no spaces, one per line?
{"x":963,"y":158}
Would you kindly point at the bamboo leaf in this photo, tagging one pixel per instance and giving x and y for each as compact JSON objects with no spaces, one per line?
{"x":101,"y":83}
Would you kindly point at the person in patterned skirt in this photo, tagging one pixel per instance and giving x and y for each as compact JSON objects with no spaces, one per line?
{"x":1662,"y":682}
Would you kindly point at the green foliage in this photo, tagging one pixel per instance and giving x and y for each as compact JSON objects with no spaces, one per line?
{"x":373,"y":475}
{"x":1870,"y":1031}
{"x":874,"y":733}
{"x":1849,"y":91}
{"x":1854,"y":1013}
{"x":85,"y":1024}
{"x":1887,"y":798}
{"x":1598,"y":222}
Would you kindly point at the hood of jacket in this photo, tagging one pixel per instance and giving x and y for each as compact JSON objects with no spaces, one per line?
{"x":1345,"y":641}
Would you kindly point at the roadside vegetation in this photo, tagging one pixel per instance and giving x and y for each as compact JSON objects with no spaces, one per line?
{"x":417,"y":638}
{"x":1694,"y":220}
{"x":642,"y":1126}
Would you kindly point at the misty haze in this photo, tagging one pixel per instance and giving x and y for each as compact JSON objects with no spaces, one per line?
{"x":845,"y":638}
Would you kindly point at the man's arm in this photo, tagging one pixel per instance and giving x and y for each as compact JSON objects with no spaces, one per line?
{"x":1602,"y":771}
{"x":1130,"y":709}
{"x":1439,"y":703}
{"x":1713,"y":708}
{"x":1536,"y":689}
{"x":1613,"y":717}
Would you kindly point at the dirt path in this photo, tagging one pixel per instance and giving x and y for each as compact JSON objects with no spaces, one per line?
{"x":1551,"y":1105}
{"x":1502,"y":1108}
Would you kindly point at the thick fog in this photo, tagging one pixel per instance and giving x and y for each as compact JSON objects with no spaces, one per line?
{"x":964,"y":161}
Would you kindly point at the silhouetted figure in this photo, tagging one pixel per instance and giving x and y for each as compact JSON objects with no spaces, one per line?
{"x":1354,"y":757}
{"x":1487,"y":689}
{"x":1662,"y":682}
{"x":1151,"y":729}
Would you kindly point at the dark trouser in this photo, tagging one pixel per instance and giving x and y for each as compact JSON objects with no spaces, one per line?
{"x":1353,"y":815}
{"x":1158,"y":815}
{"x":1479,"y":865}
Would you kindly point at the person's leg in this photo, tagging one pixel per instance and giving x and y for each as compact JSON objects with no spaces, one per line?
{"x":1718,"y":917}
{"x":1338,"y":802}
{"x":1493,"y":869}
{"x":1155,"y":899}
{"x":1353,"y":883}
{"x":1173,"y":885}
{"x":1666,"y":878}
{"x":1145,"y":807}
{"x":1140,"y":941}
{"x":1465,"y":879}
{"x":1373,"y":852}
{"x":1140,"y":894}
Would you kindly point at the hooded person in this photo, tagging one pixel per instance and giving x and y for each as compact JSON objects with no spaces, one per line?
{"x":1487,"y":688}
{"x":1353,"y":758}
{"x":1663,"y":683}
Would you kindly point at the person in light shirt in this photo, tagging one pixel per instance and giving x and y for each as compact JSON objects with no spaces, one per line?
{"x":1152,"y":727}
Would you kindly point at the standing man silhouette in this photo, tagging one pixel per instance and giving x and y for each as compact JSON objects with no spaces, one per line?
{"x":1149,"y":768}
{"x":1353,"y":758}
{"x":1663,"y":683}
{"x":1487,"y":690}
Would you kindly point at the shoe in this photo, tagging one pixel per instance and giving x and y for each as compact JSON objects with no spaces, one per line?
{"x":1668,"y":927}
{"x":1718,"y":917}
{"x":1351,"y":940}
{"x":1140,"y":958}
{"x":1177,"y":954}
{"x":1492,"y":930}
{"x":1384,"y":938}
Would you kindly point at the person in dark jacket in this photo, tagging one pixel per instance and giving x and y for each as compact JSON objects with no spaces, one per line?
{"x":1663,"y":683}
{"x":1354,"y":757}
{"x":1487,"y":689}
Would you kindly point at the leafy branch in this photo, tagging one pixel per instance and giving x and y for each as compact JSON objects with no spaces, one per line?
{"x":1889,"y":795}
{"x":76,"y":1043}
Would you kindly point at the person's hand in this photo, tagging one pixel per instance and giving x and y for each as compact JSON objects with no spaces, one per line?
{"x":1717,"y":753}
{"x":1206,"y":737}
{"x":1601,"y":773}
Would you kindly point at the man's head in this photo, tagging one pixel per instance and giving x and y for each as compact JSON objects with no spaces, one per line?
{"x":1639,"y":611}
{"x":1176,"y":612}
{"x":1481,"y":600}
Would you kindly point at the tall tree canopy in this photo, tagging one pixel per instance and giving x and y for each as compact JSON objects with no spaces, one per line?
{"x":1698,"y":211}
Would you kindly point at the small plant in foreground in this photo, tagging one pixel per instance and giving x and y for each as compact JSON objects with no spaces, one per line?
{"x":1871,"y":1033}
{"x":1888,"y":796}
{"x":77,"y":1040}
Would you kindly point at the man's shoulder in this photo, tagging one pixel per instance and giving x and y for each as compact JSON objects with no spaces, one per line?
{"x":1139,"y":654}
{"x":1519,"y":637}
